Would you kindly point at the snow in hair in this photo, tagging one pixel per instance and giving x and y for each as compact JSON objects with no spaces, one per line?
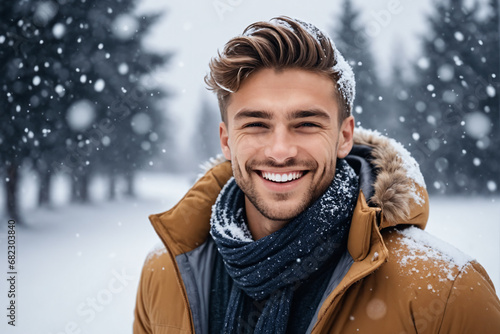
{"x":300,"y":44}
{"x":346,"y":82}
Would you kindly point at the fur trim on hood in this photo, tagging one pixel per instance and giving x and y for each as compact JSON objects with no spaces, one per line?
{"x":211,"y":163}
{"x":399,"y":182}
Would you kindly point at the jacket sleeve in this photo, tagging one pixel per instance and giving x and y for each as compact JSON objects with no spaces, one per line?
{"x":472,"y":306}
{"x":142,"y":323}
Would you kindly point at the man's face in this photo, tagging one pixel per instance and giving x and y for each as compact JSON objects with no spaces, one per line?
{"x":283,"y":138}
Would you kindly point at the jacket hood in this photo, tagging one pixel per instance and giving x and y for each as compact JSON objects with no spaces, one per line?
{"x":390,"y":180}
{"x":398,"y":188}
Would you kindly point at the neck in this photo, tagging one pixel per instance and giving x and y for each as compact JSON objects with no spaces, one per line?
{"x":259,"y":225}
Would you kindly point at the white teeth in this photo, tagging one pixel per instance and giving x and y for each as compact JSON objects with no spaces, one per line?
{"x":282,"y":177}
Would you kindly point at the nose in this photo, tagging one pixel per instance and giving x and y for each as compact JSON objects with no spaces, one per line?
{"x":280,"y":145}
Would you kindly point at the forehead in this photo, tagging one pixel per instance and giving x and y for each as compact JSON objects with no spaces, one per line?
{"x":284,"y":91}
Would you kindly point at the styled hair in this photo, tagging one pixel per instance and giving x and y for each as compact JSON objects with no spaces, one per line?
{"x":281,"y":43}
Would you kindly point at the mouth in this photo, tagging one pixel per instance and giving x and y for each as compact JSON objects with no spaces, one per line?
{"x":284,"y":177}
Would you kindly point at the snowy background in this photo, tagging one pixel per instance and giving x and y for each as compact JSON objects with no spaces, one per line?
{"x":105,"y":118}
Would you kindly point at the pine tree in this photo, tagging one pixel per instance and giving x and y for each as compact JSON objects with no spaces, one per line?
{"x":353,"y":42}
{"x":400,"y":100}
{"x":489,"y":38}
{"x":74,"y":82}
{"x":134,"y":103}
{"x":206,"y":142}
{"x":110,"y":65}
{"x":23,"y":92}
{"x":450,"y":100}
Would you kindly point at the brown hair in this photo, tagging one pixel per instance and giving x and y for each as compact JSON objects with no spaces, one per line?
{"x":281,"y":43}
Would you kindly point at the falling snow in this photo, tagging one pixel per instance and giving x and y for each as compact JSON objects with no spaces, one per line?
{"x":477,"y":125}
{"x":459,"y":36}
{"x":80,"y":115}
{"x":59,"y":30}
{"x":99,"y":85}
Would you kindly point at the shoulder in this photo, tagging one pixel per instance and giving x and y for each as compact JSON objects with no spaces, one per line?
{"x":157,"y":256}
{"x":158,"y":278}
{"x":438,"y":282}
{"x":424,"y":286}
{"x":426,"y":265}
{"x":158,"y":265}
{"x":160,"y":301}
{"x":417,"y":255}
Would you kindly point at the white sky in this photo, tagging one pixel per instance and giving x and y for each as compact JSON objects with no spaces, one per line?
{"x":194,"y":31}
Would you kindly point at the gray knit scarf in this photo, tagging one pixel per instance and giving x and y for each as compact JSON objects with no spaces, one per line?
{"x":268,"y":268}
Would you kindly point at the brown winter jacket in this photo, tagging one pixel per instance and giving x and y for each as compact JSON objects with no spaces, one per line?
{"x":395,"y":278}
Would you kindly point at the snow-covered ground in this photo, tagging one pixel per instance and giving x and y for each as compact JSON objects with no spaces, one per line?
{"x":79,"y":265}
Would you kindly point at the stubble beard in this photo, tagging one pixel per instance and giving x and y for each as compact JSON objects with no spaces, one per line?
{"x":315,"y":190}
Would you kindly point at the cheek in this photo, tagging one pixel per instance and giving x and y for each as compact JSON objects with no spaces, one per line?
{"x":226,"y":150}
{"x":322,"y":148}
{"x":244,"y":147}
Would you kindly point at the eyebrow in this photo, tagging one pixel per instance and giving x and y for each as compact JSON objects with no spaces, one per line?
{"x":309,"y":113}
{"x":253,"y":114}
{"x":294,"y":115}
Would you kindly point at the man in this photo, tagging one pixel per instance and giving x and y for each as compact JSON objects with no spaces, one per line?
{"x":310,"y":226}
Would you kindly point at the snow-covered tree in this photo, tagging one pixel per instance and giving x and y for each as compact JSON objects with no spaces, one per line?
{"x":399,"y":100}
{"x":132,"y":100}
{"x":206,"y":142}
{"x":77,"y":99}
{"x":107,"y":88}
{"x":489,"y":28}
{"x":22,"y":91}
{"x":351,"y":38}
{"x":452,"y":120}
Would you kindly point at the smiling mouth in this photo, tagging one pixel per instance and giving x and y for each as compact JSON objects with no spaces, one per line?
{"x":282,"y":177}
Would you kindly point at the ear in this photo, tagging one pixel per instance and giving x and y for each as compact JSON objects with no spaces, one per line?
{"x":224,"y":140}
{"x":346,"y":134}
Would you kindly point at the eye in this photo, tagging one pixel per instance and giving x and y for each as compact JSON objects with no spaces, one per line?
{"x":255,"y":125}
{"x":308,"y":125}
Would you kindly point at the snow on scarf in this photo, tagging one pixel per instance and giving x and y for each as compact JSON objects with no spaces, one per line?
{"x":269,"y":267}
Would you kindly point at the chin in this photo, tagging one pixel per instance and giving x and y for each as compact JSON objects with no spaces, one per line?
{"x":287,"y":213}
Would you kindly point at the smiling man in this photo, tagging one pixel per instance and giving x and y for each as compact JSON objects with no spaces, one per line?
{"x":307,"y":225}
{"x":283,"y":136}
